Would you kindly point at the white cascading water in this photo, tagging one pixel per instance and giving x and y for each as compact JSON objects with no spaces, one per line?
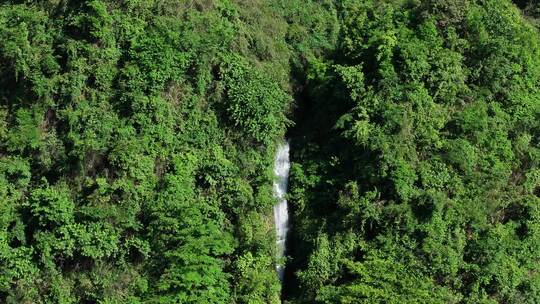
{"x":281,"y":215}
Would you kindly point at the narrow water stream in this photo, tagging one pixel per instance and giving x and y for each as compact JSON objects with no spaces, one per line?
{"x":281,"y":215}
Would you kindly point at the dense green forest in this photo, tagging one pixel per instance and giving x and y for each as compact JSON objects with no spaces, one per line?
{"x":137,"y":139}
{"x":416,"y":175}
{"x":136,"y":147}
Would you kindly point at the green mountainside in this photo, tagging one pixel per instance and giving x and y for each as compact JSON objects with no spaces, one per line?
{"x":137,"y":139}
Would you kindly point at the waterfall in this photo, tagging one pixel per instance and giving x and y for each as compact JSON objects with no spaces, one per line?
{"x":281,"y":215}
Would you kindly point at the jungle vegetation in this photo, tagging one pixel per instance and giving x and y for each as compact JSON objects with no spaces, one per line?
{"x":416,"y":175}
{"x":137,"y":140}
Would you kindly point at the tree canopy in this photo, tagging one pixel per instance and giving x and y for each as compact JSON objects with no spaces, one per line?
{"x":137,"y":140}
{"x":421,"y":185}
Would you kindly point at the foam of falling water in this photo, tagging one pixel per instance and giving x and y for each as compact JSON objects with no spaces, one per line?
{"x":281,"y":215}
